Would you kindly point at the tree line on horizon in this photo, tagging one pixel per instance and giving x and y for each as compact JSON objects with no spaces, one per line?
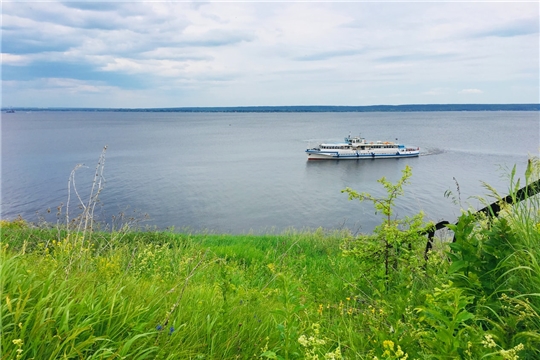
{"x":308,"y":108}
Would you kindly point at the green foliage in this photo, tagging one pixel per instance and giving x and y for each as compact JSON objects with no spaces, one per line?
{"x":161,"y":295}
{"x":16,"y":224}
{"x":384,"y":205}
{"x":107,"y":297}
{"x":495,"y":263}
{"x":395,"y":246}
{"x":445,"y":323}
{"x":484,"y":302}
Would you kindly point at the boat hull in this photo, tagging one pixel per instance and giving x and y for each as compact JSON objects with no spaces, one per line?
{"x":358,"y":155}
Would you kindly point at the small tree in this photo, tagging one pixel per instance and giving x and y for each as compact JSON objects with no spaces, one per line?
{"x":395,"y":240}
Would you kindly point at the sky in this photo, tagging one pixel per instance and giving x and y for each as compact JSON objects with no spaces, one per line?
{"x":156,"y":54}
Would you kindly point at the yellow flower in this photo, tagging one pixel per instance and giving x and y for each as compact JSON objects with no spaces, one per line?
{"x":388,"y":344}
{"x":18,"y":342}
{"x":488,"y":341}
{"x":512,"y":353}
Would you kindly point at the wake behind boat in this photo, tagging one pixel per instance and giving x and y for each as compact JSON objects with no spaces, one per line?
{"x":358,"y":148}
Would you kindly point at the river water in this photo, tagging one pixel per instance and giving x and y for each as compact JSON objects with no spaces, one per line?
{"x":247,"y":172}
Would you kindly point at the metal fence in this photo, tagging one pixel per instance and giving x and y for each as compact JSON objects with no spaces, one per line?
{"x":491,"y":210}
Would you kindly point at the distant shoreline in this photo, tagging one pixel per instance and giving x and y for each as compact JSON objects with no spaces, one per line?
{"x":307,"y":108}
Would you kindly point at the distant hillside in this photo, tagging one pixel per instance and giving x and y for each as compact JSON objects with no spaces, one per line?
{"x":315,"y":108}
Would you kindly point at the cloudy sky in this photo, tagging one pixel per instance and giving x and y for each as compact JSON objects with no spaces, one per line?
{"x":241,"y":53}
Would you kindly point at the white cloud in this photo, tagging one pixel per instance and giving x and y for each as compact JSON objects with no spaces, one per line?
{"x":16,"y":60}
{"x":73,"y":86}
{"x":471,"y":91}
{"x":343,"y":53}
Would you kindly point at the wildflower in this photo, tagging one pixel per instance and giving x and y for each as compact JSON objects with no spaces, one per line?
{"x":171,"y":330}
{"x":336,"y":355}
{"x":303,"y":341}
{"x":18,"y":342}
{"x":469,"y":347}
{"x":399,"y":352}
{"x":488,"y":341}
{"x":512,"y":353}
{"x":159,"y":327}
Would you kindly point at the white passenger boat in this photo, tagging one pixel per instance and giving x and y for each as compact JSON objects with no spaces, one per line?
{"x":358,"y":148}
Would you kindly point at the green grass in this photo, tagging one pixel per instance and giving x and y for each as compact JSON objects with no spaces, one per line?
{"x":230,"y":296}
{"x":161,"y":295}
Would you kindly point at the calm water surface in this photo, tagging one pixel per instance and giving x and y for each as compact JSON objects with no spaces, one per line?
{"x":241,"y":172}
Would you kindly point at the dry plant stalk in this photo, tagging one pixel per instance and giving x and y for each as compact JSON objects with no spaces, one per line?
{"x":85,"y":220}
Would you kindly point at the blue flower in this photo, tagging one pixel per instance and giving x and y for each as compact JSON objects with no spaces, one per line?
{"x":171,"y":330}
{"x":159,"y":327}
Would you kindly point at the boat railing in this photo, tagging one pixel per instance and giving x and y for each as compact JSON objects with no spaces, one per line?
{"x":491,"y":211}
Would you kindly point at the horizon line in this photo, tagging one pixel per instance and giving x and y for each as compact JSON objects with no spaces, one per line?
{"x":274,"y":106}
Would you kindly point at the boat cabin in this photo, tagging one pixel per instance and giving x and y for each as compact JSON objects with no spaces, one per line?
{"x":335,"y":146}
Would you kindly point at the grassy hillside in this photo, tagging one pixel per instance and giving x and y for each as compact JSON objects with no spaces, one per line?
{"x":128,"y":294}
